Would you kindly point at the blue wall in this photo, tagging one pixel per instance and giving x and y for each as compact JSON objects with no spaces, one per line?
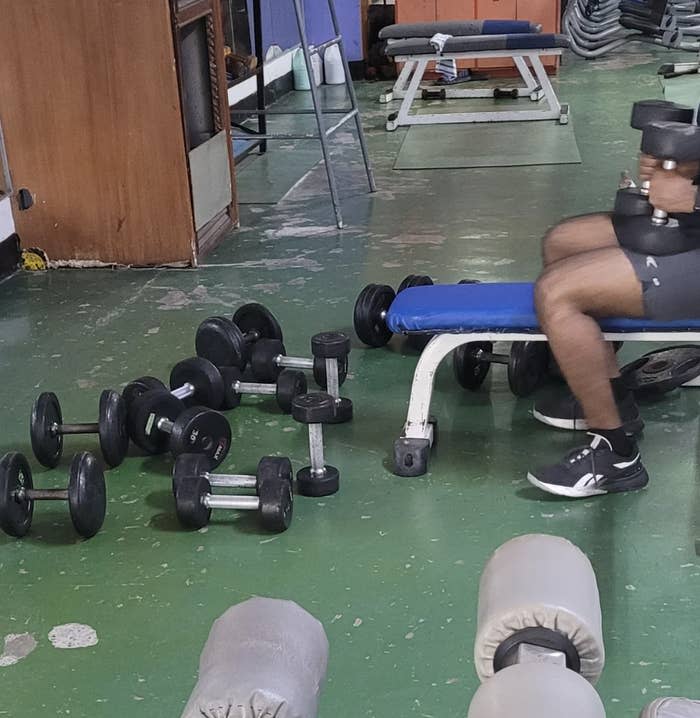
{"x":280,"y":27}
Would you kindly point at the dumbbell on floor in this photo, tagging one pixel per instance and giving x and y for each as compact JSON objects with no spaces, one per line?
{"x":194,"y":381}
{"x":228,"y":342}
{"x":528,"y":363}
{"x":539,"y":642}
{"x":47,"y":428}
{"x":634,"y":201}
{"x":287,"y":387}
{"x":162,"y":423}
{"x":329,"y":365}
{"x":273,"y":484}
{"x":86,"y":494}
{"x":315,"y":410}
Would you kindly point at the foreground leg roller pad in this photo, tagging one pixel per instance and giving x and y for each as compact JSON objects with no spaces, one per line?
{"x":536,"y":691}
{"x":47,"y":428}
{"x":539,"y":582}
{"x":672,"y":708}
{"x":265,"y":657}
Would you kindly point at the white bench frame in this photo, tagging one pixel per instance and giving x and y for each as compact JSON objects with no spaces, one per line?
{"x":537,"y":86}
{"x":418,"y":425}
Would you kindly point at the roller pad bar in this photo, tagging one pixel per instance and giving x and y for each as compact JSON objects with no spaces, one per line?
{"x":263,"y":657}
{"x":672,"y":708}
{"x":536,"y":690}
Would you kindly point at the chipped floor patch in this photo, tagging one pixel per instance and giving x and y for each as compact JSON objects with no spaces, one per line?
{"x":73,"y":635}
{"x":17,"y":647}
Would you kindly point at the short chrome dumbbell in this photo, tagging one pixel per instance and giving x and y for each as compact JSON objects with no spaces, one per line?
{"x":315,"y":410}
{"x":285,"y":389}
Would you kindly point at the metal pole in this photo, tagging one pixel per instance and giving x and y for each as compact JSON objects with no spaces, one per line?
{"x":260,"y":71}
{"x":353,"y":97}
{"x":319,"y":115}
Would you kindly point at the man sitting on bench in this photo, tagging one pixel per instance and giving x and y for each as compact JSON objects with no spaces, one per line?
{"x":587,"y":274}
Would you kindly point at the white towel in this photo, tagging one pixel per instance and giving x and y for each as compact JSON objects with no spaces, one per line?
{"x":438,"y":41}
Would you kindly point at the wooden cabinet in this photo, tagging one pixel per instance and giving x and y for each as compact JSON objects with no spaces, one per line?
{"x":545,"y":12}
{"x":115,"y":120}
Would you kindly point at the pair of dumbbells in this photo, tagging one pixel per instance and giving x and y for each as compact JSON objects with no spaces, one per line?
{"x":672,"y":143}
{"x":328,"y":363}
{"x":633,"y":201}
{"x":197,"y":381}
{"x":86,"y":494}
{"x":47,"y":428}
{"x":272,"y":483}
{"x":224,"y":343}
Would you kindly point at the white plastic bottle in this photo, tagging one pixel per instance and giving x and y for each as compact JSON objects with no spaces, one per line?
{"x":301,"y":76}
{"x":333,"y":66}
{"x":317,"y":64}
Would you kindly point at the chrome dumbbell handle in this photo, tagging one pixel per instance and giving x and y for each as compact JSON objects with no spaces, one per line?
{"x":659,"y":217}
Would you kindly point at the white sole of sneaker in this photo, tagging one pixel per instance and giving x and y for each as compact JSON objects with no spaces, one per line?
{"x":567,"y":424}
{"x":568,"y":491}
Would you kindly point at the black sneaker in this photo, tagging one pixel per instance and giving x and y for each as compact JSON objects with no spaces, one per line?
{"x":590,"y":471}
{"x":565,"y":412}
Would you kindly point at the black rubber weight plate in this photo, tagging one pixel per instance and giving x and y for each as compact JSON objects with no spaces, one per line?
{"x":528,"y":366}
{"x":46,"y":445}
{"x":663,"y":370}
{"x":191,"y":511}
{"x":15,"y":515}
{"x":201,"y":431}
{"x":87,"y":495}
{"x":114,"y":435}
{"x":220,"y":341}
{"x":415,"y":280}
{"x":256,"y":318}
{"x":134,"y":389}
{"x":148,"y":408}
{"x":206,"y":379}
{"x":469,"y":371}
{"x":189,"y":467}
{"x":370,"y":326}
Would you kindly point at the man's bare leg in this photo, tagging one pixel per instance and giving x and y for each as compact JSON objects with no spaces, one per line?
{"x":569,"y":295}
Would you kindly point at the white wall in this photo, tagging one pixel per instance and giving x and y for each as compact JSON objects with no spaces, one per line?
{"x":7,"y":225}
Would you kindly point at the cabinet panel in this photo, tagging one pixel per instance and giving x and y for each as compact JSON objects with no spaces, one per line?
{"x":496,"y":10}
{"x":416,"y":10}
{"x":456,"y":9}
{"x":99,"y":141}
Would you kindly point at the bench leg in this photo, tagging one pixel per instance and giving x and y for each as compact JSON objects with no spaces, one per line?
{"x":412,"y":448}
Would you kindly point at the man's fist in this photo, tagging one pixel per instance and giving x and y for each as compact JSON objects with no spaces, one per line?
{"x":647,"y":165}
{"x":672,"y":192}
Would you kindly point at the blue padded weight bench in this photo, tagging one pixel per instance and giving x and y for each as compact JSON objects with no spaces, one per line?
{"x":460,"y":314}
{"x":517,"y":40}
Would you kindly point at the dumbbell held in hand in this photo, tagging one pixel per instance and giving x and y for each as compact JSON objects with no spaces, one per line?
{"x":86,"y":494}
{"x":672,"y":143}
{"x":47,"y":428}
{"x":161,"y":423}
{"x":273,"y":501}
{"x":228,"y":342}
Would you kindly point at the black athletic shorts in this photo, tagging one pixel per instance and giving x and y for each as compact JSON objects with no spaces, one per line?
{"x":671,"y":283}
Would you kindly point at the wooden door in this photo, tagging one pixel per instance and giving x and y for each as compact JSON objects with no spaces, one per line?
{"x":456,"y":9}
{"x":548,"y":14}
{"x":93,"y":130}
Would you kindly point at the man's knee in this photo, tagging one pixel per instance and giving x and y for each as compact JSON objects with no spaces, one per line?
{"x":577,"y":235}
{"x":554,"y":242}
{"x":551,"y":295}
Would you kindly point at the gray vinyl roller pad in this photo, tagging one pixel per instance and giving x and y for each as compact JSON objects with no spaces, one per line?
{"x":672,"y":708}
{"x":536,"y":690}
{"x":264,"y":658}
{"x":538,"y":580}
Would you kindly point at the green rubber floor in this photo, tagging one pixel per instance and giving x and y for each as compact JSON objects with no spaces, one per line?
{"x":391,"y":566}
